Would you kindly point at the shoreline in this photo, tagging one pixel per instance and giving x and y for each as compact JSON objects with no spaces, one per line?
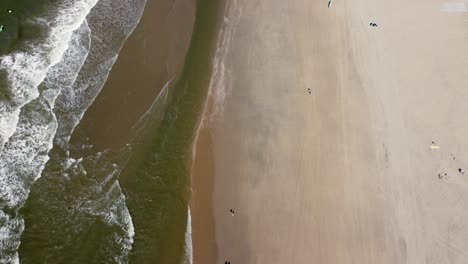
{"x":201,"y":205}
{"x":202,"y":172}
{"x":163,"y":158}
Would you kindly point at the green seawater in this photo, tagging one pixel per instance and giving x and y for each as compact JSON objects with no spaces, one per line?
{"x":15,"y":30}
{"x":63,"y":216}
{"x":158,"y":186}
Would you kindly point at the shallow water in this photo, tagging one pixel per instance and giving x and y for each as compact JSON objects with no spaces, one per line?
{"x":156,"y":180}
{"x":62,"y":201}
{"x":48,"y":79}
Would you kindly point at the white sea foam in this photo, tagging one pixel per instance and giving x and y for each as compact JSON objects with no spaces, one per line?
{"x":217,"y":91}
{"x":111,"y":23}
{"x":188,"y":240}
{"x":102,"y":199}
{"x":29,"y":119}
{"x":73,"y":101}
{"x":26,"y":69}
{"x":150,"y":114}
{"x":219,"y":88}
{"x":8,"y":120}
{"x":25,"y":154}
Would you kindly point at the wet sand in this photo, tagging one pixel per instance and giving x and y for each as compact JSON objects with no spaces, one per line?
{"x":203,"y":224}
{"x":346,"y":174}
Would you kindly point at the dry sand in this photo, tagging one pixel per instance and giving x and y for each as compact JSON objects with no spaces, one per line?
{"x":346,"y":174}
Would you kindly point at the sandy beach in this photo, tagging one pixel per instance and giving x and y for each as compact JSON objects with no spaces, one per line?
{"x":365,"y":168}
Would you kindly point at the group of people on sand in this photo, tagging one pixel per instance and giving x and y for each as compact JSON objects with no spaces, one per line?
{"x":232,"y":213}
{"x":309,"y":91}
{"x":445,"y":175}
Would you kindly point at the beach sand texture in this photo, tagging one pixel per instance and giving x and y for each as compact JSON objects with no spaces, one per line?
{"x":345,"y":174}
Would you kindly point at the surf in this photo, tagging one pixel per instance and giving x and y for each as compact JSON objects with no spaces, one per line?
{"x":50,"y":81}
{"x":24,"y":155}
{"x":24,"y":69}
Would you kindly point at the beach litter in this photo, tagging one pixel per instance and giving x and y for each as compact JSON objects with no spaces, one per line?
{"x":434,"y":146}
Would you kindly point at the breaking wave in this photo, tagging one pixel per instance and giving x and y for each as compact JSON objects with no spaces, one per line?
{"x":24,"y":155}
{"x":22,"y":71}
{"x":46,"y":85}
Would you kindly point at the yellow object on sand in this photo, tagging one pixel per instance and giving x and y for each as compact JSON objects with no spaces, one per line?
{"x":435,"y":147}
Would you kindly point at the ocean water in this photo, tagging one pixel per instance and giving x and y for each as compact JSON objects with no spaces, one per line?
{"x":60,"y":200}
{"x":156,"y":179}
{"x":55,"y":57}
